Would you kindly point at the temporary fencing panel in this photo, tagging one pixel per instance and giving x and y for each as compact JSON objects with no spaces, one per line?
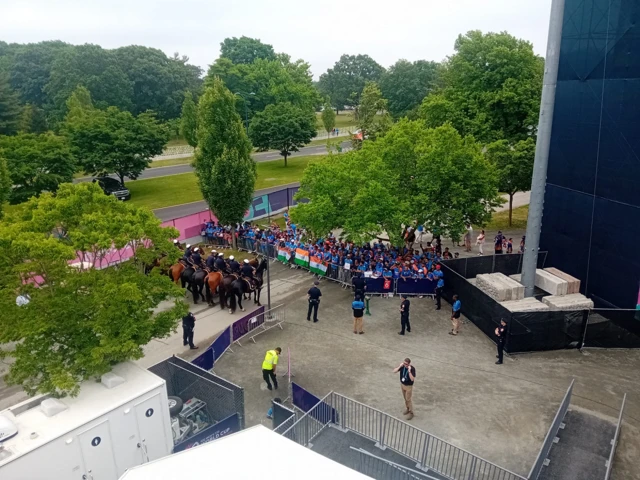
{"x":247,"y":323}
{"x":613,"y":329}
{"x":545,"y":330}
{"x":417,"y":286}
{"x":281,"y":414}
{"x":225,"y":427}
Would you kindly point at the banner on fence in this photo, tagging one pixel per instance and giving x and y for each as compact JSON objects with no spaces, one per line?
{"x":305,"y":401}
{"x":221,"y":429}
{"x":418,"y":286}
{"x":221,"y":344}
{"x":316,"y":266}
{"x":205,"y":360}
{"x":247,"y":323}
{"x":302,"y":257}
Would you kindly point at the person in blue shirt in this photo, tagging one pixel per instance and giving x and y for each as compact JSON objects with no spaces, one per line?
{"x":358,"y":312}
{"x":439,"y":288}
{"x":437,"y":273}
{"x":275,"y":400}
{"x":406,"y":272}
{"x":455,"y":315}
{"x":396,"y":272}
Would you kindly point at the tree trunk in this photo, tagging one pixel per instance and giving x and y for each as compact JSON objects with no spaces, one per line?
{"x":337,"y":111}
{"x":285,"y":159}
{"x":510,"y":207}
{"x":121,"y":177}
{"x":234,"y":241}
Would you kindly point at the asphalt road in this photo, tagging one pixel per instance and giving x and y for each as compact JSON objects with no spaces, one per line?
{"x":176,"y":211}
{"x":258,"y":157}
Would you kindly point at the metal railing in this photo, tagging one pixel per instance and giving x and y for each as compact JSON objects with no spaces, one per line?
{"x":274,"y":317}
{"x":549,"y":440}
{"x":379,"y":468}
{"x":429,"y":452}
{"x":614,"y":441}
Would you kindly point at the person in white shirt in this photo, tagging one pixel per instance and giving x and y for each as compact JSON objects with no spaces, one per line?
{"x":480,"y":242}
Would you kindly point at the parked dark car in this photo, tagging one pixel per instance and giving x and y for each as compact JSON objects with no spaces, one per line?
{"x":111,"y":186}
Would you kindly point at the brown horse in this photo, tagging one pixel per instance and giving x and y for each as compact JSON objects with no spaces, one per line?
{"x":211,"y":282}
{"x":175,"y":271}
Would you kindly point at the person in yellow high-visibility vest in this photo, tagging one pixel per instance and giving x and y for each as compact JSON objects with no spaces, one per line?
{"x":269,"y":367}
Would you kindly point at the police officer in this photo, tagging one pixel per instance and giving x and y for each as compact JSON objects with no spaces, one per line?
{"x":404,"y":315}
{"x":439,"y":288}
{"x":221,"y":265}
{"x":211,"y":260}
{"x":196,"y":259}
{"x":313,"y":296}
{"x":247,"y":270}
{"x":501,"y":334}
{"x":234,"y":266}
{"x":187,"y":250}
{"x":188,"y":324}
{"x":359,"y":285}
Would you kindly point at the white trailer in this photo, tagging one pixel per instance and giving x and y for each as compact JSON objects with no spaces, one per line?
{"x":111,"y":426}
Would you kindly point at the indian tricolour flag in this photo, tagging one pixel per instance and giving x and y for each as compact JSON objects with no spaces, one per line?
{"x":302,"y":257}
{"x":316,"y":266}
{"x":284,"y":254}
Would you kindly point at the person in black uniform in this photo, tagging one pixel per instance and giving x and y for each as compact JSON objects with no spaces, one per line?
{"x":221,"y":265}
{"x":196,"y":259}
{"x":314,"y":295}
{"x":404,"y":315}
{"x":234,"y":266}
{"x":211,"y":260}
{"x":248,"y":271}
{"x":188,"y":324}
{"x":501,"y":334}
{"x":359,"y":285}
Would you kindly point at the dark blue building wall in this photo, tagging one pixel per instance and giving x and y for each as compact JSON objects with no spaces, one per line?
{"x":591,"y":222}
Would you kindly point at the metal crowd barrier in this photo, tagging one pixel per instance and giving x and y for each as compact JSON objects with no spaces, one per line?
{"x":275,"y":317}
{"x":429,"y":452}
{"x":614,"y":441}
{"x":550,"y":439}
{"x":376,"y":467}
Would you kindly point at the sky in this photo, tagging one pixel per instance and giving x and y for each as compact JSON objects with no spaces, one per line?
{"x":318,"y":32}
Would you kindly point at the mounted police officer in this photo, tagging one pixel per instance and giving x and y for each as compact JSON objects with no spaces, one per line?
{"x":211,"y":260}
{"x":196,"y":258}
{"x":234,"y":266}
{"x":221,"y":265}
{"x":187,"y":250}
{"x":248,"y":271}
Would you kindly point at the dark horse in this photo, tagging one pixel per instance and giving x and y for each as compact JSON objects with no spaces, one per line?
{"x":193,"y":279}
{"x":241,"y":286}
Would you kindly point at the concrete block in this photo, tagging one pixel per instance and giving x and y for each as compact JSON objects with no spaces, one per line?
{"x":574,"y":301}
{"x":525,"y":305}
{"x":573,"y":283}
{"x":499,"y":287}
{"x":547,"y":282}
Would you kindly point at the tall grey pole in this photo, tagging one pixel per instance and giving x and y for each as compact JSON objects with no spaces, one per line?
{"x":545,"y":122}
{"x":268,"y":280}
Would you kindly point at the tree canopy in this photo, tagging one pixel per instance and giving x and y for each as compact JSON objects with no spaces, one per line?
{"x":283,"y":127}
{"x":37,"y":163}
{"x":343,"y":83}
{"x":223,"y":164}
{"x":405,"y":84}
{"x":372,"y":115}
{"x":112,"y":141}
{"x":491,"y":88}
{"x":328,"y":117}
{"x":246,"y":50}
{"x":413,"y":173}
{"x":189,"y":120}
{"x":5,"y":184}
{"x":9,"y":107}
{"x":81,"y":320}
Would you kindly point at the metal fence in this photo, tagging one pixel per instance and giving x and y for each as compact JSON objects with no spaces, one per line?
{"x":429,"y":452}
{"x":614,"y":441}
{"x":381,"y":469}
{"x":550,"y":439}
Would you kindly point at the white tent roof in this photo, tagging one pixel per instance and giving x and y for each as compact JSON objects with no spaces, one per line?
{"x":253,"y":453}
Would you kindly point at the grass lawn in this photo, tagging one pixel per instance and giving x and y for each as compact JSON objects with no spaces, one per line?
{"x":500,"y":220}
{"x":176,"y":189}
{"x":177,"y":142}
{"x":345,"y":119}
{"x":171,"y":162}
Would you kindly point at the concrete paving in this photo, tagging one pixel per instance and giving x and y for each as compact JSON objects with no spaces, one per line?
{"x":501,"y":413}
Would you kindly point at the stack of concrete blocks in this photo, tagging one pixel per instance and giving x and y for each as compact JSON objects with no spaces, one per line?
{"x":500,"y":287}
{"x":574,"y":301}
{"x":547,"y":282}
{"x":573,"y":284}
{"x":529,"y":304}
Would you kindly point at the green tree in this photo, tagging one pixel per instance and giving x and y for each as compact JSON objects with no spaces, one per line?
{"x":514,"y":165}
{"x":112,"y":141}
{"x":405,"y":84}
{"x":5,"y":184}
{"x":37,"y":163}
{"x":328,"y":118}
{"x":82,"y":320}
{"x":413,"y":173}
{"x":189,"y":120}
{"x":223,"y":164}
{"x":245,"y":50}
{"x":32,"y":119}
{"x":372,"y":112}
{"x":491,"y":88}
{"x":283,"y":127}
{"x":79,"y":105}
{"x":9,"y":107}
{"x":344,"y":83}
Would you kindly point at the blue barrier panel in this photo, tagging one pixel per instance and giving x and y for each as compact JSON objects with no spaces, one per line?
{"x":221,"y":344}
{"x":305,"y":401}
{"x":204,"y":361}
{"x":376,"y":285}
{"x":418,"y":286}
{"x":223,"y":428}
{"x":243,"y":326}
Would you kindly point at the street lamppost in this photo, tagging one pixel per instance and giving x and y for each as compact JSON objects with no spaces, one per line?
{"x":246,"y":108}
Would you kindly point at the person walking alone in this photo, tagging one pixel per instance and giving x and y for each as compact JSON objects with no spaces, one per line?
{"x":313,"y":295}
{"x":501,"y":334}
{"x":358,"y":312}
{"x":269,"y":367}
{"x":455,"y":315}
{"x":407,"y":377}
{"x":404,"y":315}
{"x":480,"y":242}
{"x":188,"y":324}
